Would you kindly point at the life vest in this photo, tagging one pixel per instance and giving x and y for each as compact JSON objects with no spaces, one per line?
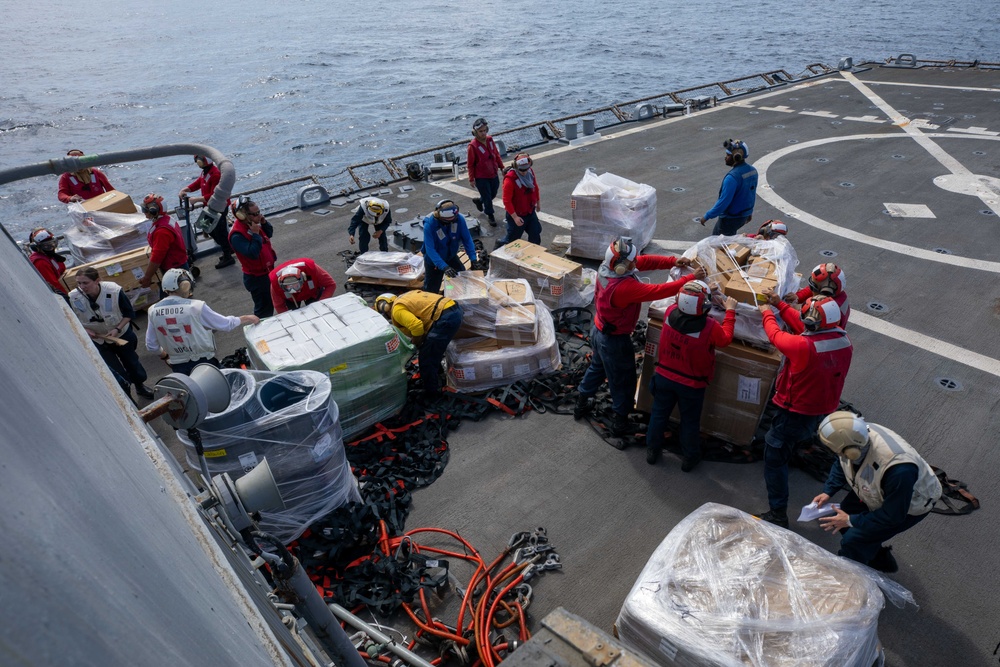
{"x":688,"y":359}
{"x":888,"y":449}
{"x":746,"y":191}
{"x":816,"y":389}
{"x":107,"y":309}
{"x":179,"y":331}
{"x":424,"y":306}
{"x":611,"y":320}
{"x":177,"y":252}
{"x":264,"y":262}
{"x":374,"y":220}
{"x":42,"y":262}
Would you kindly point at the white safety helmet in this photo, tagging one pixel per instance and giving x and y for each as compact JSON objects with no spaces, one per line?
{"x":620,"y":254}
{"x":844,"y":433}
{"x":694,"y":298}
{"x":173,"y":278}
{"x":375,"y":208}
{"x":291,"y":279}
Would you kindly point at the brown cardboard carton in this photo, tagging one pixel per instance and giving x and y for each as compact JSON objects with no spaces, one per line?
{"x":762,"y":268}
{"x":747,"y":289}
{"x":517,"y":325}
{"x":548,"y":275}
{"x":737,"y":395}
{"x":110,"y":202}
{"x":125,"y":269}
{"x":509,"y":292}
{"x":724,"y":265}
{"x":740,"y":252}
{"x":468,"y":289}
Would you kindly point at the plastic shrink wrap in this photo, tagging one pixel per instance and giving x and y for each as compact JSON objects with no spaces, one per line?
{"x":606,"y":207}
{"x":96,"y":235}
{"x":555,"y":281}
{"x":744,"y":267}
{"x":343,"y":337}
{"x":388,"y":266}
{"x":293,"y":421}
{"x":725,"y":589}
{"x":478,"y":364}
{"x":498,"y":309}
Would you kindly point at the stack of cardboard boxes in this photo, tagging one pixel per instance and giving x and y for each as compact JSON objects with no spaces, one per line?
{"x":504,"y":337}
{"x":126,"y":270}
{"x":554,"y":280}
{"x":741,"y":275}
{"x":106,"y":225}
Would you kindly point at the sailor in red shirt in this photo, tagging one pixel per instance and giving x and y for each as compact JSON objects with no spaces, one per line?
{"x":84,"y":184}
{"x":251,"y":241}
{"x":685,"y":365}
{"x":826,"y":280}
{"x":299,"y":282}
{"x":484,"y":162}
{"x":808,"y":388}
{"x":50,"y":264}
{"x":168,"y":250}
{"x":206,"y":184}
{"x":521,"y":202}
{"x":618,"y":299}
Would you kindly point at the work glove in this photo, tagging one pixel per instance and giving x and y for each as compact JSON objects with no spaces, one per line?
{"x":450,"y":272}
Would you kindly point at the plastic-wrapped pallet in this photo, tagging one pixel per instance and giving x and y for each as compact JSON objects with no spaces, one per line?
{"x":388,"y":266}
{"x":292,"y":420}
{"x":744,"y":267}
{"x":363,"y":354}
{"x":556,"y":281}
{"x":478,"y":364}
{"x":725,"y":589}
{"x":606,"y":207}
{"x":502,"y":309}
{"x":97,"y":235}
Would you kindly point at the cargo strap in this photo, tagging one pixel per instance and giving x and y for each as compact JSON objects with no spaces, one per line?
{"x":955,"y":497}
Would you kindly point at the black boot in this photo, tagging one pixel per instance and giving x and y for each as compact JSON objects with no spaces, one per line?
{"x":478,"y":202}
{"x":620,"y":425}
{"x":777,"y":517}
{"x":884,"y":561}
{"x":143,"y":390}
{"x":493,"y":221}
{"x":652,"y":455}
{"x":583,"y":406}
{"x":224,"y":261}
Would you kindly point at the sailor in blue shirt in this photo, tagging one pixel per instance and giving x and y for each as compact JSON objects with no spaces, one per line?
{"x":738,"y":192}
{"x":443,"y":230}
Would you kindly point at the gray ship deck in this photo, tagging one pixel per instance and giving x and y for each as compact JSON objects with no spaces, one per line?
{"x":832,"y":153}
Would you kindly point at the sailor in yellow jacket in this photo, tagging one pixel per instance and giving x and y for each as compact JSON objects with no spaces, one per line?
{"x":431,"y":321}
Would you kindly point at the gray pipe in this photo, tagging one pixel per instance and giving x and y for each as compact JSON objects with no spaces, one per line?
{"x":324,"y":624}
{"x":57,"y":166}
{"x":382,"y":638}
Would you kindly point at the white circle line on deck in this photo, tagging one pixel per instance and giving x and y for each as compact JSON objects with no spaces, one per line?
{"x":766,"y":192}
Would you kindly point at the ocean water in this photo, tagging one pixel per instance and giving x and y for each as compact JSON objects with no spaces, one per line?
{"x":307,"y":87}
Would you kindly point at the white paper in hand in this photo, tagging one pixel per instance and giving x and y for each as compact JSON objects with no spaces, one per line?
{"x":811,"y":511}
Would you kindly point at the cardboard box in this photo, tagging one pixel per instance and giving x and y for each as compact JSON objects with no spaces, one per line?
{"x":110,"y":202}
{"x":125,"y":269}
{"x":468,"y":289}
{"x":508,"y":292}
{"x":740,"y":252}
{"x":517,"y":325}
{"x":762,"y":268}
{"x":737,"y":395}
{"x":548,"y":275}
{"x":749,"y":290}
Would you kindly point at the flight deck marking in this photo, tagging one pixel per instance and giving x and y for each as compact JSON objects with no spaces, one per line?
{"x":974,"y":130}
{"x":909,"y":210}
{"x":766,"y":192}
{"x":819,"y":114}
{"x":972,"y":359}
{"x":924,"y":140}
{"x":865,"y":119}
{"x":782,"y":109}
{"x":929,"y":85}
